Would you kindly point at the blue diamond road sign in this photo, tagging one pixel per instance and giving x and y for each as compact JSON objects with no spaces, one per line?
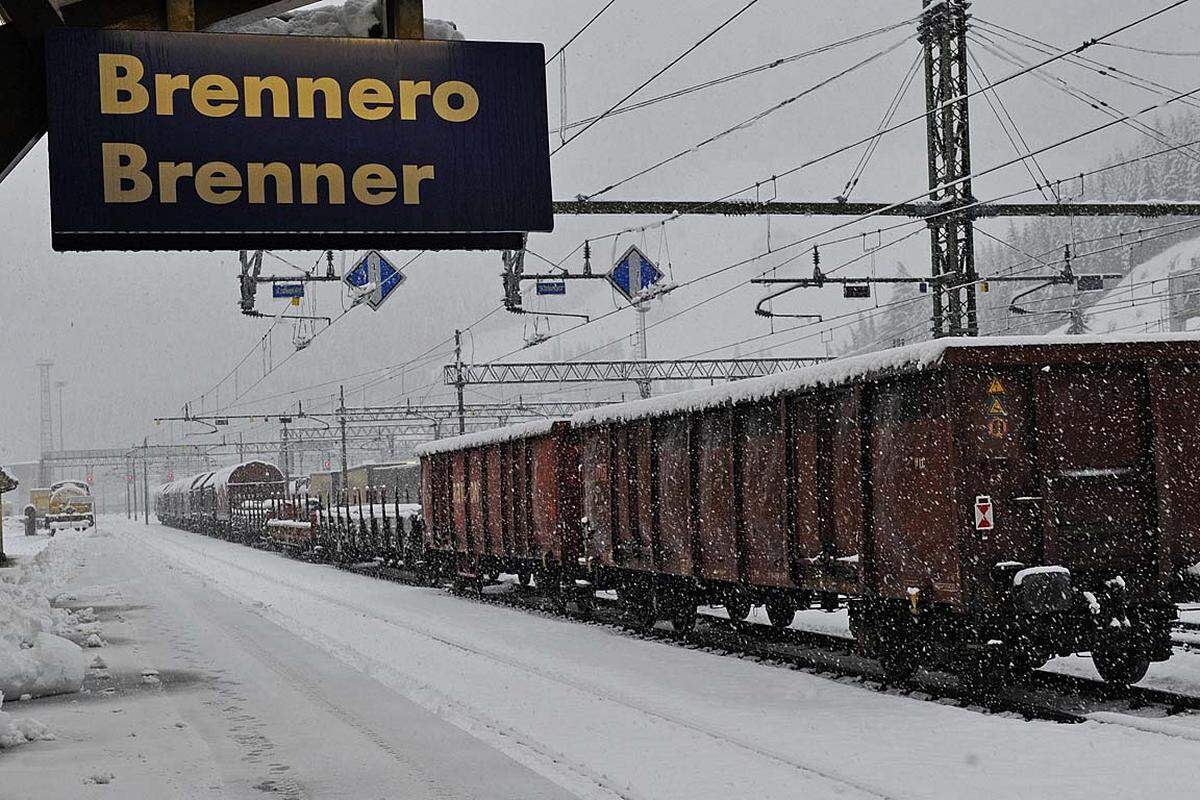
{"x":633,"y":272}
{"x":374,"y":270}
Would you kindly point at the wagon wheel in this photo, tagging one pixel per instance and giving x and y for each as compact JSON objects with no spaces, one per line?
{"x":683,"y":615}
{"x":586,"y":603}
{"x":898,"y":659}
{"x":640,"y":608}
{"x":737,"y":606}
{"x":982,"y":676}
{"x":1120,"y":664}
{"x":781,"y":612}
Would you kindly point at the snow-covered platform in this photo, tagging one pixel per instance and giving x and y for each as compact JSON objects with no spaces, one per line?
{"x":232,"y":672}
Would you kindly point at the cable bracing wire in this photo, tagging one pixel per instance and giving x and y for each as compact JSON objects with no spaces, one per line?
{"x":886,"y":120}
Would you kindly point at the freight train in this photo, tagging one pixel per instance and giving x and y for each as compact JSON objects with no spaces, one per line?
{"x":981,"y":505}
{"x":978,"y":505}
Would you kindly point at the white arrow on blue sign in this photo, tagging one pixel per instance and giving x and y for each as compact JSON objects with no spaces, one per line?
{"x":377,"y":272}
{"x":633,"y":272}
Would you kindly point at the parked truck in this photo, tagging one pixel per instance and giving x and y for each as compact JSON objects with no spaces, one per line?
{"x":70,"y":506}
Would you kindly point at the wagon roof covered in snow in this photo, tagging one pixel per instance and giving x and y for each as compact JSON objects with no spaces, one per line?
{"x":537,"y":427}
{"x":225,"y":475}
{"x":899,"y":360}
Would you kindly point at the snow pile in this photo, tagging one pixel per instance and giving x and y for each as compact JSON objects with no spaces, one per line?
{"x":351,"y":18}
{"x":1019,"y":578}
{"x":40,"y":651}
{"x":14,"y":731}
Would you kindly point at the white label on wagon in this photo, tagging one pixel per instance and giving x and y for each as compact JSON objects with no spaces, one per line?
{"x":984,"y":513}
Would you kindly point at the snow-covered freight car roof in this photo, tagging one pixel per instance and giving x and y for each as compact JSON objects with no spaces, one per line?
{"x":221,"y":477}
{"x":910,"y":358}
{"x":522,"y":430}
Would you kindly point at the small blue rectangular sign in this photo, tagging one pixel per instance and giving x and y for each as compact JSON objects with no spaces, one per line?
{"x":287,"y":290}
{"x":551,"y":287}
{"x":208,"y":140}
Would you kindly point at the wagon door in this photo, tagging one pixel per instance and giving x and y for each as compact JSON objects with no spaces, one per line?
{"x":1177,"y":422}
{"x":1098,"y":472}
{"x":597,"y":495}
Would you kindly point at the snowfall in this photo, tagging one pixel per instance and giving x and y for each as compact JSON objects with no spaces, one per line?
{"x":138,"y":661}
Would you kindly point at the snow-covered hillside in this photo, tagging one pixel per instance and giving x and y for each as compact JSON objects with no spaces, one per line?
{"x":1140,"y":303}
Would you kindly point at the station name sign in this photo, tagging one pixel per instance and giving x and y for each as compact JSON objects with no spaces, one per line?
{"x":216,"y":141}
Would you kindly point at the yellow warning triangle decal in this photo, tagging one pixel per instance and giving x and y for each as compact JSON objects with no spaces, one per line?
{"x":997,"y":407}
{"x":996,"y":387}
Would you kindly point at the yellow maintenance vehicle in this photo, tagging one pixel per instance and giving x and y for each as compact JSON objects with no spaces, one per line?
{"x":70,"y":506}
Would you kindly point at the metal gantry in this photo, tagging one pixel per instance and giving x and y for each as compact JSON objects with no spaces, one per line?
{"x":656,"y":370}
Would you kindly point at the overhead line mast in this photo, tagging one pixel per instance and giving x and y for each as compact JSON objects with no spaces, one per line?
{"x":951,"y":208}
{"x":943,"y":34}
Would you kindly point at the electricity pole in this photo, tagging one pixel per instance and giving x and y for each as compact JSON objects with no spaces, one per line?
{"x":458,"y":381}
{"x":146,"y":477}
{"x":342,"y":426}
{"x":642,"y":307}
{"x":59,"y":385}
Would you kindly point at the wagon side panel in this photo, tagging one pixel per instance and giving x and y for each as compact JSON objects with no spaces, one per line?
{"x":714,"y":473}
{"x":763,"y":511}
{"x":1177,"y":417}
{"x":674,"y":497}
{"x":914,"y":528}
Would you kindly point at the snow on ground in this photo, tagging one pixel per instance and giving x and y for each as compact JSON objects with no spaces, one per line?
{"x":40,"y":651}
{"x":232,"y":672}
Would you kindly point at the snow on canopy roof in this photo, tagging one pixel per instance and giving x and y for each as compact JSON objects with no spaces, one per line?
{"x":910,"y":358}
{"x":350,"y":18}
{"x":537,"y":427}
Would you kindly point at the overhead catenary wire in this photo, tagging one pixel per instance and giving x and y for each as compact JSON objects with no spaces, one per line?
{"x":743,"y":73}
{"x":924,"y":220}
{"x":888,"y":114}
{"x":1006,"y":120}
{"x":1087,"y":43}
{"x":579,"y":32}
{"x":658,"y":73}
{"x":751,"y":120}
{"x":1077,"y":93}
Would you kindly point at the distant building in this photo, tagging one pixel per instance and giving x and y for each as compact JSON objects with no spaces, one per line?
{"x":26,"y":474}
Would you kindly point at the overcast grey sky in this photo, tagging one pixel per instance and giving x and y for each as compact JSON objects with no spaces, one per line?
{"x":136,"y":335}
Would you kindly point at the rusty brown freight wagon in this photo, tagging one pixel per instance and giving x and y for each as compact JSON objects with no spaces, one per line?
{"x":984,"y":504}
{"x":503,"y":501}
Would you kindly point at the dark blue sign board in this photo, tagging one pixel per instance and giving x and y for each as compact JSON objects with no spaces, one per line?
{"x":215,"y":141}
{"x":633,"y":272}
{"x":287,"y":290}
{"x":377,"y":272}
{"x":552,"y":287}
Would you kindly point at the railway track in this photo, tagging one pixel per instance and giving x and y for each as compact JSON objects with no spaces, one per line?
{"x":1046,"y":695}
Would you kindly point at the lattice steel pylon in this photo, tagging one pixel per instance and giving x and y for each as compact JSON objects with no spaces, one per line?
{"x":44,"y":366}
{"x":943,"y":34}
{"x":47,"y":407}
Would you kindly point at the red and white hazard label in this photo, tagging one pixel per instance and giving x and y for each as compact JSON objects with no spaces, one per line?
{"x":984,"y":513}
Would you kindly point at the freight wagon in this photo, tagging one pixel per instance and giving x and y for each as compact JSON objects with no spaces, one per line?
{"x":980,"y":504}
{"x":403,"y":477}
{"x":504,"y":501}
{"x":232,"y":503}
